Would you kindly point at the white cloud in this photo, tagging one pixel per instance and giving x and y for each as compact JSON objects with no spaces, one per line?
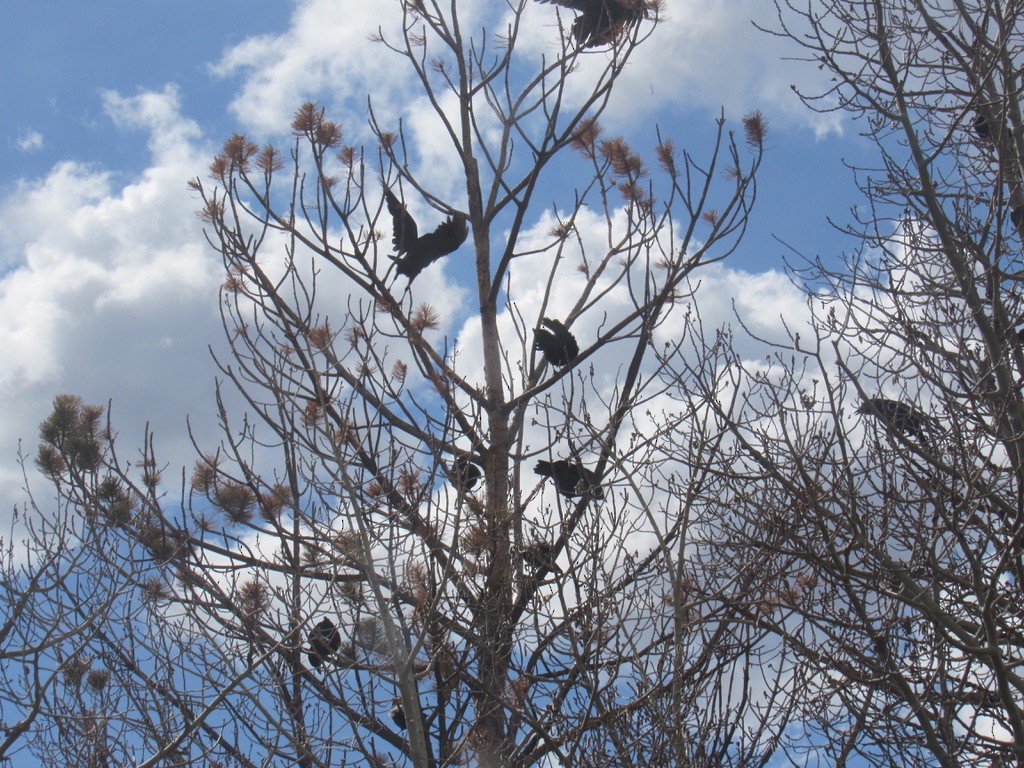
{"x":710,"y":55}
{"x":116,"y":296}
{"x":30,"y":141}
{"x":721,"y":294}
{"x":704,"y":55}
{"x":721,"y":297}
{"x":109,"y":291}
{"x":326,"y":54}
{"x":331,"y":52}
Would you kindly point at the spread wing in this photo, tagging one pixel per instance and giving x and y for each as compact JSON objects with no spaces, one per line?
{"x":601,"y":21}
{"x":405,"y":225}
{"x":543,"y":341}
{"x":576,"y":5}
{"x":557,"y":327}
{"x":561,"y":333}
{"x":449,"y":235}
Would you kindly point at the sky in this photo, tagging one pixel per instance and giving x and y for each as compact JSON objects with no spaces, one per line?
{"x":108,"y":289}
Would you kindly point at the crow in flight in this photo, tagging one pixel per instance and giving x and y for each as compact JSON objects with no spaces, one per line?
{"x":896,"y":415}
{"x":570,"y":479}
{"x":417,"y":252}
{"x":465,"y":473}
{"x":324,"y":639}
{"x":558,"y":345}
{"x":541,"y":554}
{"x":600,"y":22}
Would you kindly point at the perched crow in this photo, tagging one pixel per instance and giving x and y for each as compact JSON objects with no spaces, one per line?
{"x":1017,"y":216}
{"x":417,"y":252}
{"x":570,"y":479}
{"x":465,"y":473}
{"x":988,"y":131}
{"x":896,"y":415}
{"x":541,"y":554}
{"x":982,"y":128}
{"x":324,"y":639}
{"x":398,"y":714}
{"x":602,"y":21}
{"x":558,"y":345}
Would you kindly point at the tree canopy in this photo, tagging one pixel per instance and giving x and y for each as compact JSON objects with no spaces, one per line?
{"x":587,"y":528}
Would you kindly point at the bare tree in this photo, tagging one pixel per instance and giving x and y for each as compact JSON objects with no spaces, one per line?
{"x":54,"y":594}
{"x":496,"y":525}
{"x":873,"y":467}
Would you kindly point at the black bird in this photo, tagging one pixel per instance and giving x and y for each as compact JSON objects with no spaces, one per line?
{"x":541,"y":554}
{"x":417,"y":252}
{"x":324,"y":639}
{"x":1017,"y":216}
{"x":987,"y":131}
{"x":600,"y":22}
{"x":465,"y":473}
{"x":558,"y":345}
{"x":398,"y":714}
{"x":896,"y":415}
{"x":570,"y":479}
{"x":982,"y":128}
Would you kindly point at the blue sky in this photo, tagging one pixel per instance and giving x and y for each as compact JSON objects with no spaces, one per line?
{"x":107,"y":288}
{"x":60,"y":58}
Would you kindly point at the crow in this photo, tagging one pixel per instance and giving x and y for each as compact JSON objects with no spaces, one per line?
{"x":324,"y":639}
{"x":981,"y":127}
{"x":600,"y":22}
{"x":541,"y":554}
{"x":570,"y":479}
{"x":1017,"y":217}
{"x":558,"y":345}
{"x":986,"y":130}
{"x":465,"y":473}
{"x":417,"y":252}
{"x":398,"y":714}
{"x":897,"y":416}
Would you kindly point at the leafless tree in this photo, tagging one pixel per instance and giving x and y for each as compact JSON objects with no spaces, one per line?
{"x":873,"y":465}
{"x":54,"y":594}
{"x":381,"y":473}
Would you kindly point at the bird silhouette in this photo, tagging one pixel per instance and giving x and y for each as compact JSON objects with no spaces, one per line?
{"x":600,"y":22}
{"x":988,"y":131}
{"x":398,"y":714}
{"x":558,"y":344}
{"x":897,"y":416}
{"x":324,"y":639}
{"x":417,"y":252}
{"x":981,"y":127}
{"x":570,"y":479}
{"x":1017,"y":217}
{"x":541,"y":554}
{"x":465,"y":473}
